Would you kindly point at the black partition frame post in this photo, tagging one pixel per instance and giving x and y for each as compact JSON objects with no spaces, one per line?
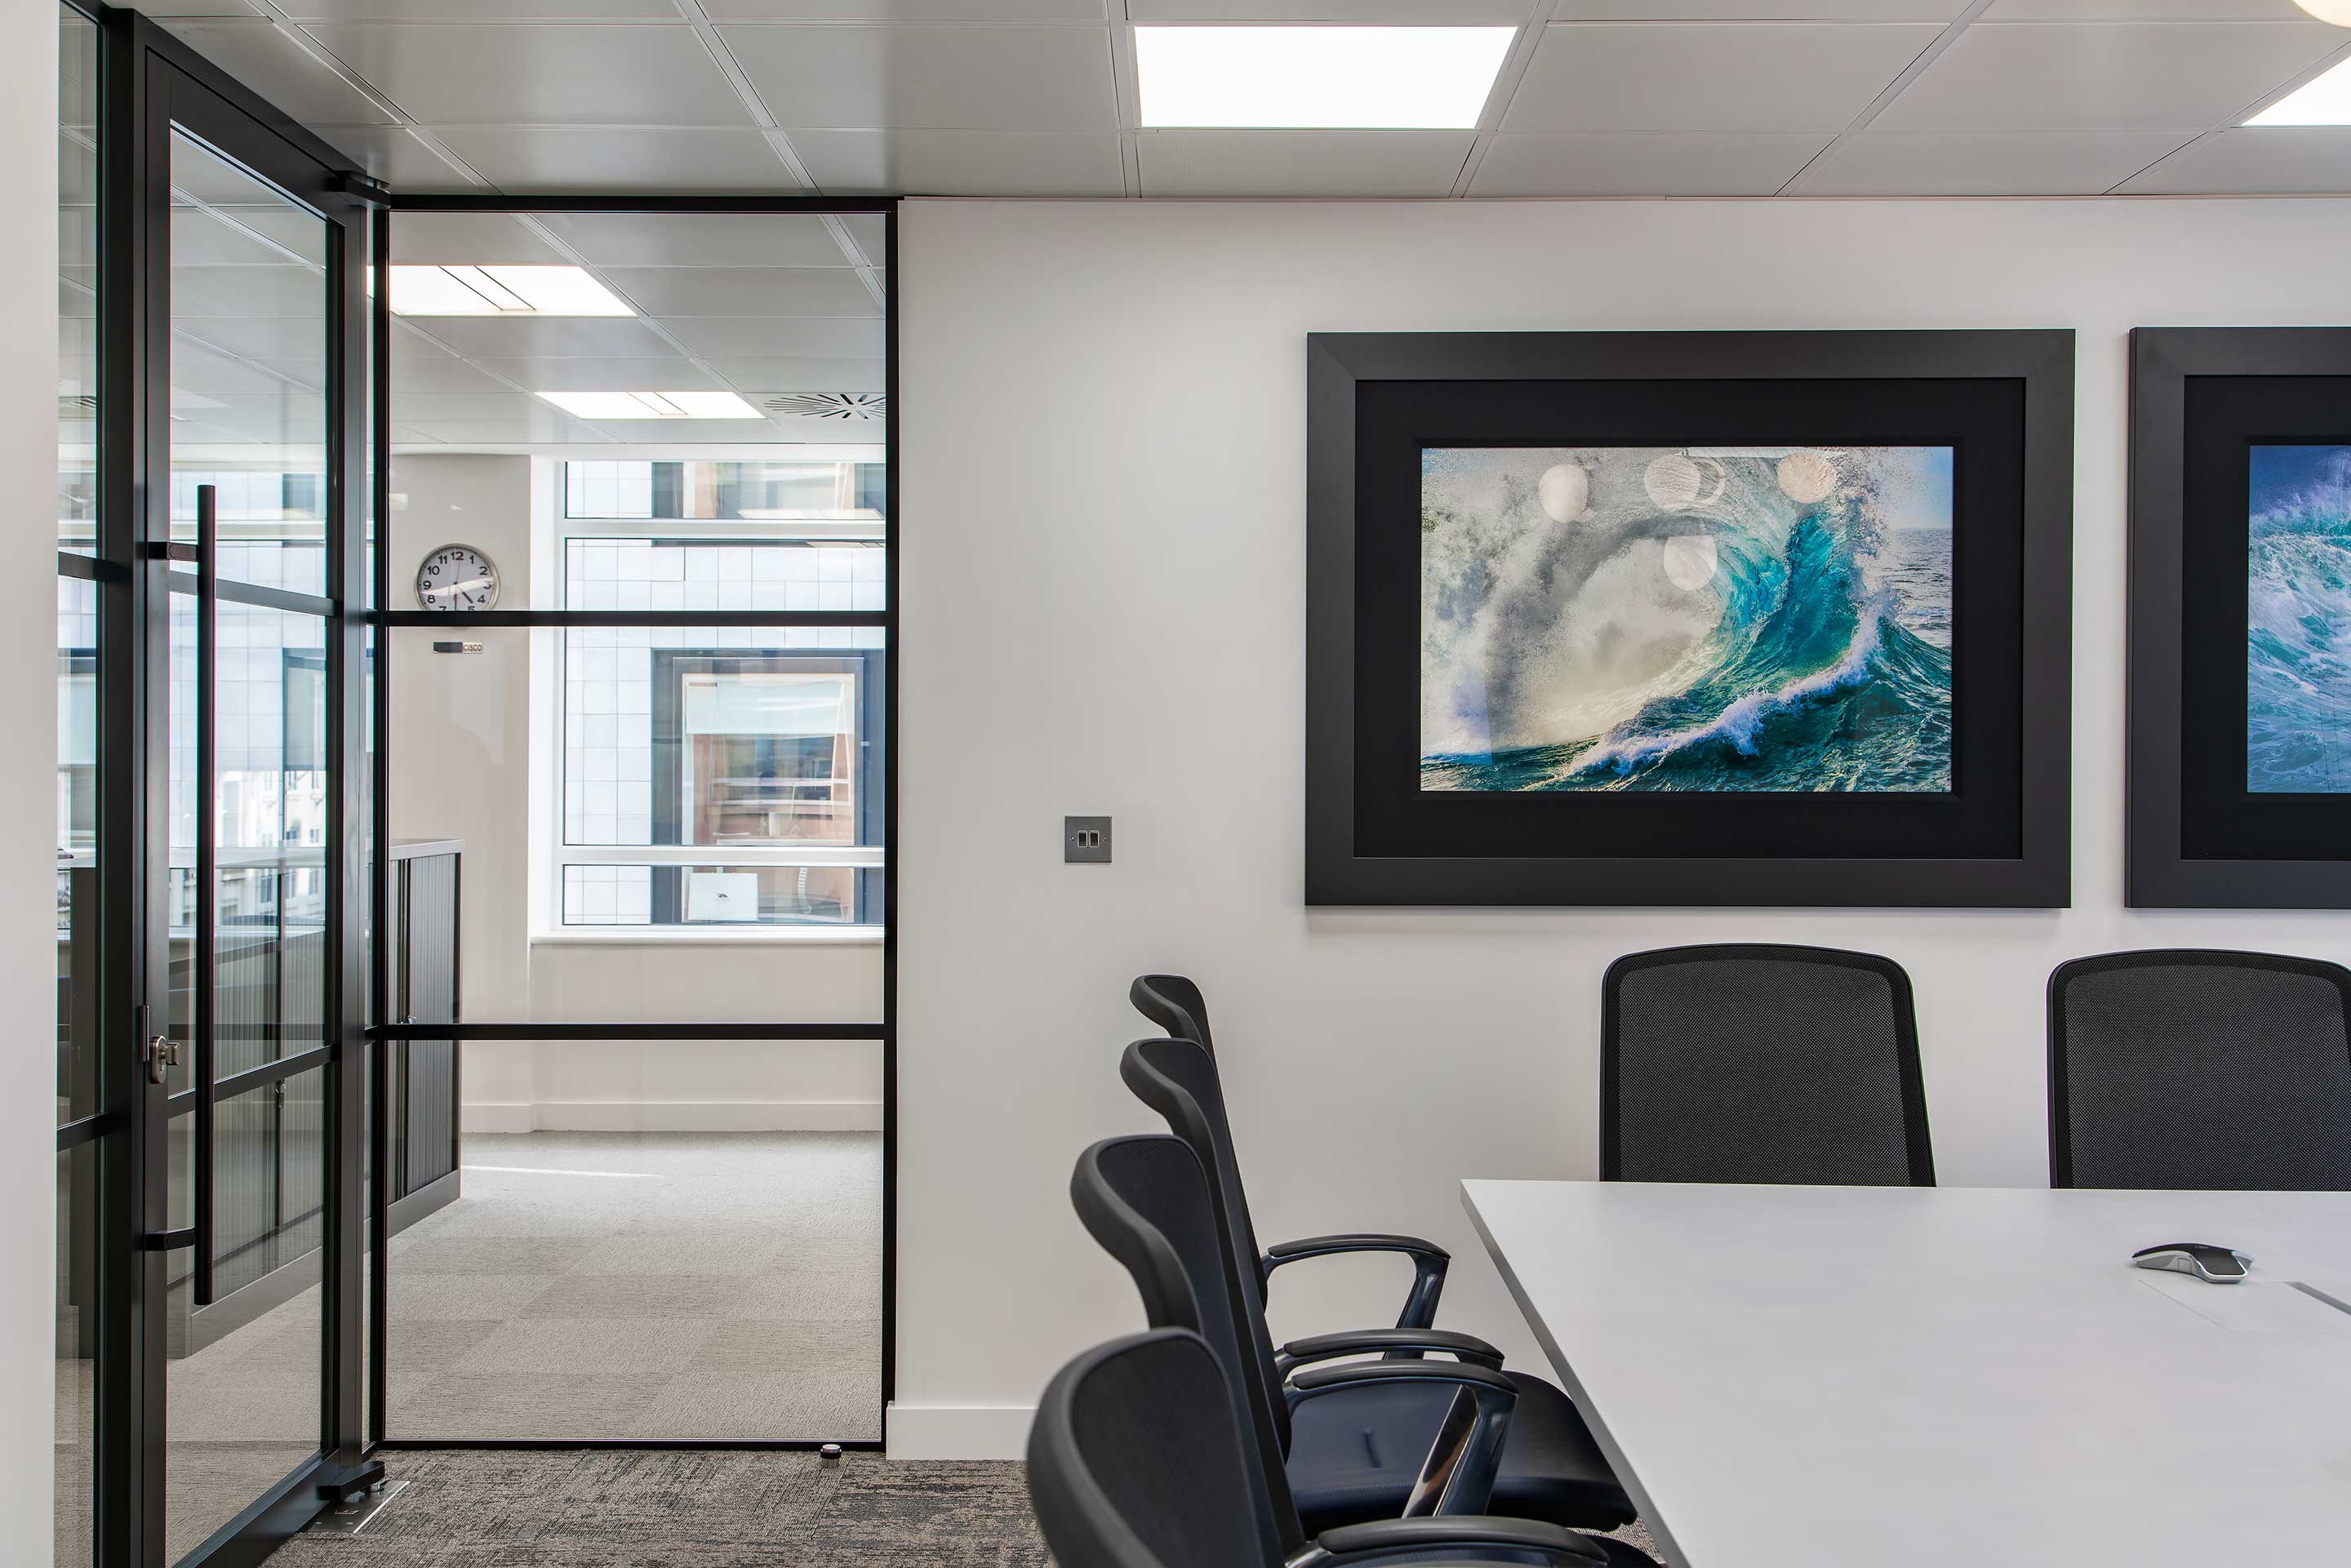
{"x":384,"y":619}
{"x":1339,"y":870}
{"x":150,"y":82}
{"x":2166,"y":807}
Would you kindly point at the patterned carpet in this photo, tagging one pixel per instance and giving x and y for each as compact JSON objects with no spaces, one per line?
{"x":637,"y":1508}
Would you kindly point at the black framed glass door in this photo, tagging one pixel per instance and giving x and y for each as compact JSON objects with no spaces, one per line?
{"x":226,"y":967}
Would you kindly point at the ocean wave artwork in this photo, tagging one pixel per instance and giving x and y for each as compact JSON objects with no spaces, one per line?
{"x":2298,"y":621}
{"x":1700,"y":619}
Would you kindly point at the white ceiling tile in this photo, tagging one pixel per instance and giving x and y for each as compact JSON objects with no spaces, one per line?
{"x":247,"y":236}
{"x":197,"y":369}
{"x":277,"y":291}
{"x":2060,"y":76}
{"x":2269,"y":160}
{"x":941,"y":77}
{"x":446,"y":374}
{"x":586,"y":158}
{"x":254,"y":337}
{"x":410,"y":405}
{"x":672,"y":431}
{"x":2145,"y":11}
{"x":1301,"y":163}
{"x":270,"y":60}
{"x":1756,"y":10}
{"x":553,"y":425}
{"x":803,"y":337}
{"x":1736,"y":76}
{"x":905,"y":10}
{"x":1424,"y":13}
{"x":528,"y":74}
{"x":961,"y":162}
{"x":478,"y":10}
{"x":165,"y":9}
{"x":742,"y":291}
{"x":674,"y":373}
{"x":543,"y":336}
{"x":869,"y":230}
{"x":1658,"y":165}
{"x":802,"y":375}
{"x":1988,"y":163}
{"x":698,"y":239}
{"x":479,"y":239}
{"x":394,"y":155}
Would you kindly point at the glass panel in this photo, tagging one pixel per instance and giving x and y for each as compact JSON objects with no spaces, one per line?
{"x":248,"y":370}
{"x":733,"y":737}
{"x":654,"y":1285}
{"x":76,"y":1380}
{"x":782,"y":490}
{"x":244,"y":1375}
{"x":76,"y":884}
{"x":247,"y":375}
{"x":719,"y":898}
{"x":77,"y":282}
{"x":615,"y":573}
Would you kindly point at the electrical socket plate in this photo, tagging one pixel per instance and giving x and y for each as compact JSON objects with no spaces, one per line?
{"x":1086,"y":839}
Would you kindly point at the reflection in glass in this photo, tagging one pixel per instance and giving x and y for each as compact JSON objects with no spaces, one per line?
{"x":248,"y":370}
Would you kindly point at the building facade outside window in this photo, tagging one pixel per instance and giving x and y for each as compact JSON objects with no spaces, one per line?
{"x":719,"y":779}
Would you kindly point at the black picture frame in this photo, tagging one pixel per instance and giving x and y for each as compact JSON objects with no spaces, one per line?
{"x":2201,"y":397}
{"x":2000,"y":839}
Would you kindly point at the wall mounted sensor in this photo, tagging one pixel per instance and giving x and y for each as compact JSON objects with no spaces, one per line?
{"x":2213,"y":1265}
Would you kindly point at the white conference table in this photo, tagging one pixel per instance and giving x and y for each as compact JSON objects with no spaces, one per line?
{"x":1894,"y":1378}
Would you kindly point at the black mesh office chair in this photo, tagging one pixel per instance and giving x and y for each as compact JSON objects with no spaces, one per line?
{"x":2181,"y":1068}
{"x":1758,"y":1062}
{"x":1176,"y":1005}
{"x":1352,"y":1452}
{"x":1136,"y":1461}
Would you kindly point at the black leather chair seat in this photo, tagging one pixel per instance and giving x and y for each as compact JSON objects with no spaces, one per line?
{"x":1354,"y":1456}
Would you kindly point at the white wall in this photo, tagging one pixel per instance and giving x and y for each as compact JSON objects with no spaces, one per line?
{"x":462,"y":768}
{"x":1104,"y":579}
{"x":28,"y":466}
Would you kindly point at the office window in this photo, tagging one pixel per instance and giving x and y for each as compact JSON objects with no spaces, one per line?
{"x":719,"y":778}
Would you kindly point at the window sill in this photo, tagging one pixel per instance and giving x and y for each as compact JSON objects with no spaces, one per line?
{"x":645,"y":937}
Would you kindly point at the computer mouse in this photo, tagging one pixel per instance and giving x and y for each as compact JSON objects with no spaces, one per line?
{"x":2213,"y":1265}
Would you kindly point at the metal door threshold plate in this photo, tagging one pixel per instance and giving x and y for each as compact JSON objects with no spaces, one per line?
{"x":350,"y":1518}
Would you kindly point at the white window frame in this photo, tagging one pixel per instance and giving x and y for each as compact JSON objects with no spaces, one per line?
{"x":550,"y":855}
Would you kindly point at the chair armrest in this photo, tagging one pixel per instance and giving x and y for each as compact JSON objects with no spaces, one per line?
{"x":1378,"y":1538}
{"x":1428,"y":1259}
{"x":1298,"y":1353}
{"x":1465,"y":1453}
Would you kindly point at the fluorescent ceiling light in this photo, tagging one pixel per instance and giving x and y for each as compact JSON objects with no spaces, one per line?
{"x":1347,"y":78}
{"x":2325,"y":99}
{"x":652,"y":404}
{"x":456,"y":289}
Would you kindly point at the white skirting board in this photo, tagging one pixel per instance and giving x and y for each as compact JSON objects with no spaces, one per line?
{"x":673,"y":1117}
{"x":958,"y":1431}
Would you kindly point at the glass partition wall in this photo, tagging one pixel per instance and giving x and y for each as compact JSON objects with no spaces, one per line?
{"x":638,"y":669}
{"x":475,"y":768}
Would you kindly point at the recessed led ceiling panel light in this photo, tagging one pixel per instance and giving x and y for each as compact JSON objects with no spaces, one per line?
{"x":652,"y":404}
{"x":2323,"y":101}
{"x":1328,"y":78}
{"x":459,"y":290}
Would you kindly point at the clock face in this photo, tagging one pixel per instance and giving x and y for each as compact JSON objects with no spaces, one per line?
{"x":457,"y":577}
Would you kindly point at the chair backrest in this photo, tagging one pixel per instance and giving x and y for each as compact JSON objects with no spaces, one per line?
{"x":1134,"y":1461}
{"x":1146,"y":1198}
{"x":1760,"y":1063}
{"x":1176,"y":1005}
{"x":1178,"y":1080}
{"x":2181,"y":1068}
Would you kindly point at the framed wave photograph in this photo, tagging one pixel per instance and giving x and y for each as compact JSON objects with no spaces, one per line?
{"x":1688,"y":618}
{"x":2240,"y":704}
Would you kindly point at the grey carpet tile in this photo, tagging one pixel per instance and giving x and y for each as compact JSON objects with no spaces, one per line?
{"x":641,"y":1509}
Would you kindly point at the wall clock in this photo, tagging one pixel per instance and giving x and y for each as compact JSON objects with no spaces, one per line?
{"x":457,"y":577}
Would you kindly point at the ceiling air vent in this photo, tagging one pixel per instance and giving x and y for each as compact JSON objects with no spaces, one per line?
{"x":83,"y":407}
{"x":828,"y":405}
